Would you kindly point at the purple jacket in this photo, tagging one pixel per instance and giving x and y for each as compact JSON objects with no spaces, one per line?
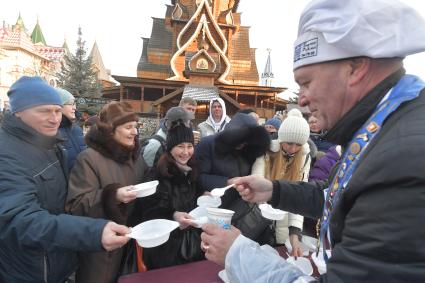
{"x":323,"y":166}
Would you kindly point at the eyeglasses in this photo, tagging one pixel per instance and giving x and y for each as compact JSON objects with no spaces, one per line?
{"x":71,"y":103}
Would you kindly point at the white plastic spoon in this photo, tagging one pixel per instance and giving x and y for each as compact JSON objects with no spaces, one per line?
{"x":219,"y":192}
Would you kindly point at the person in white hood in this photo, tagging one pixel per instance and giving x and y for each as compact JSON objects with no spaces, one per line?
{"x":217,"y":120}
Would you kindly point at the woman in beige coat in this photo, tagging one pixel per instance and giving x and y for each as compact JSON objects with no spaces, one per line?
{"x":101,"y":180}
{"x":288,"y":159}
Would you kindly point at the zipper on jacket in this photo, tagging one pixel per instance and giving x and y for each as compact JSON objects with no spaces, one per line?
{"x":45,"y":268}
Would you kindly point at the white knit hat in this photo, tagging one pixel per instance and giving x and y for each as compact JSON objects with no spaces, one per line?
{"x":294,"y":128}
{"x":334,"y":29}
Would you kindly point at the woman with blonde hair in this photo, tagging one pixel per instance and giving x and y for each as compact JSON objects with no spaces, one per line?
{"x":288,"y":159}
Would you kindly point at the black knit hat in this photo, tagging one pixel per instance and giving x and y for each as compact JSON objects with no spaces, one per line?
{"x":177,"y":134}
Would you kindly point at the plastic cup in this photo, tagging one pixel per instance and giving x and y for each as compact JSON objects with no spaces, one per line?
{"x":219,"y":216}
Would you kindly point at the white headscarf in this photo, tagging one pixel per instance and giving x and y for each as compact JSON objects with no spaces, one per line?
{"x":218,"y":126}
{"x":335,"y":29}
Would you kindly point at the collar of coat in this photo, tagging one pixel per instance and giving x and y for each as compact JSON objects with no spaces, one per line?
{"x":168,"y":168}
{"x":65,"y":123}
{"x":345,"y":128}
{"x":16,"y":127}
{"x":101,"y":140}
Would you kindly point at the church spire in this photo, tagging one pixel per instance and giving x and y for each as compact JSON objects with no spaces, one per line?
{"x":37,"y":35}
{"x":65,"y":46}
{"x":20,"y":24}
{"x":267,"y":75}
{"x":97,"y":64}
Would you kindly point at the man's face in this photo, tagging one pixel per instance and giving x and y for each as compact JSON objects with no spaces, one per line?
{"x":324,"y":89}
{"x":216,"y":111}
{"x":45,"y":119}
{"x":189,"y":108}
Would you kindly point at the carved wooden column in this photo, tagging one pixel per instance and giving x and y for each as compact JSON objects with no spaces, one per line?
{"x":142,"y":98}
{"x":121,"y":92}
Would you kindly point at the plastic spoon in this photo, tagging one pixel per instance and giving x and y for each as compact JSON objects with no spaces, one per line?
{"x":219,"y":192}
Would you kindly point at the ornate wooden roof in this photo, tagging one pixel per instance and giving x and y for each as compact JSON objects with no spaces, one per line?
{"x":190,"y":26}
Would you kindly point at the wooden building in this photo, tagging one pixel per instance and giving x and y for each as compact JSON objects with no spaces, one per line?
{"x":199,"y":49}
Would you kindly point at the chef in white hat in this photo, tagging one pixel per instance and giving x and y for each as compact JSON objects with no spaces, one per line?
{"x":348,"y":62}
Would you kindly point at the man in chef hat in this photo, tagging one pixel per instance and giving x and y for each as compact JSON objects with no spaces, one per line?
{"x":348,"y":62}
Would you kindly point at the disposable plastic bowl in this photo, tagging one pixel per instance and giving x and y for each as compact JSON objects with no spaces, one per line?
{"x":153,"y":233}
{"x":208,"y":201}
{"x":310,"y":243}
{"x":271,"y":213}
{"x":302,"y":263}
{"x":146,"y":189}
{"x":198,"y":212}
{"x":319,"y":261}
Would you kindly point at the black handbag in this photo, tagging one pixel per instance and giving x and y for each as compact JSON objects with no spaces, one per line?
{"x":190,"y":249}
{"x":129,"y":259}
{"x":252,"y":224}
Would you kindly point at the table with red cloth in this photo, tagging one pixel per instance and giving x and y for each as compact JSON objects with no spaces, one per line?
{"x":196,"y":272}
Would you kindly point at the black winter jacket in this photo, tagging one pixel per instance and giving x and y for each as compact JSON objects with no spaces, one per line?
{"x":175,"y":192}
{"x":37,"y":240}
{"x":377,"y":226}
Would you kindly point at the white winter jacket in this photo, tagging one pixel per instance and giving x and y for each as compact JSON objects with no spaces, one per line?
{"x":295,"y":220}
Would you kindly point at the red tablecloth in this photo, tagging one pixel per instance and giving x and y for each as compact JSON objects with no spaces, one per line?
{"x":196,"y":272}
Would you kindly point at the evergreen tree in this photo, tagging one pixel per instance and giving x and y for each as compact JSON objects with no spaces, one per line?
{"x":294,"y":99}
{"x":77,"y":75}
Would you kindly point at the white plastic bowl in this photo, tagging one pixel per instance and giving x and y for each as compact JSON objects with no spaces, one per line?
{"x":208,"y":201}
{"x":319,"y":261}
{"x":146,"y":189}
{"x":198,"y":212}
{"x":223,"y":276}
{"x":310,"y":243}
{"x":302,"y":263}
{"x":267,"y":211}
{"x":304,"y":249}
{"x":153,"y":233}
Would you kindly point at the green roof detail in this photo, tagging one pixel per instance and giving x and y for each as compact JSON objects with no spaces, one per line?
{"x":20,"y":23}
{"x":37,"y":35}
{"x":65,"y":46}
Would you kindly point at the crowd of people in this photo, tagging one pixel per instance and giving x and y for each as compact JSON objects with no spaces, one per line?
{"x":349,"y":174}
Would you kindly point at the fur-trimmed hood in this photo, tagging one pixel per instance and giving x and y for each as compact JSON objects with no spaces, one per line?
{"x":101,"y":139}
{"x":243,"y":129}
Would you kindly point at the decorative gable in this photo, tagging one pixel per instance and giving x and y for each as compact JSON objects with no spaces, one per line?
{"x":202,"y":62}
{"x":201,"y":32}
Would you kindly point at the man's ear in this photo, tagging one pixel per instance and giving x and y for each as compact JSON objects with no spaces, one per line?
{"x":359,"y":69}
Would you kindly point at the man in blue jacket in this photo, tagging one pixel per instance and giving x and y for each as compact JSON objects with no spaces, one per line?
{"x":37,"y":240}
{"x":348,"y":62}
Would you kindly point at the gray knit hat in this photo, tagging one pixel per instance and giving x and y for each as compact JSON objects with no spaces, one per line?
{"x":294,"y":128}
{"x":66,"y":96}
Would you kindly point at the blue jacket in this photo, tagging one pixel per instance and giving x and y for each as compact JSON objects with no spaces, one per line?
{"x":37,"y":240}
{"x":74,"y":140}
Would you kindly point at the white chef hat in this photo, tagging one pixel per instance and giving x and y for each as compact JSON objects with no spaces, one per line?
{"x":334,"y":29}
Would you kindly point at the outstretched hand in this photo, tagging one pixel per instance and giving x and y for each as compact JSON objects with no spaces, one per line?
{"x":126,"y":194}
{"x":217,"y":241}
{"x":113,"y":236}
{"x":253,"y":188}
{"x":183,"y":218}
